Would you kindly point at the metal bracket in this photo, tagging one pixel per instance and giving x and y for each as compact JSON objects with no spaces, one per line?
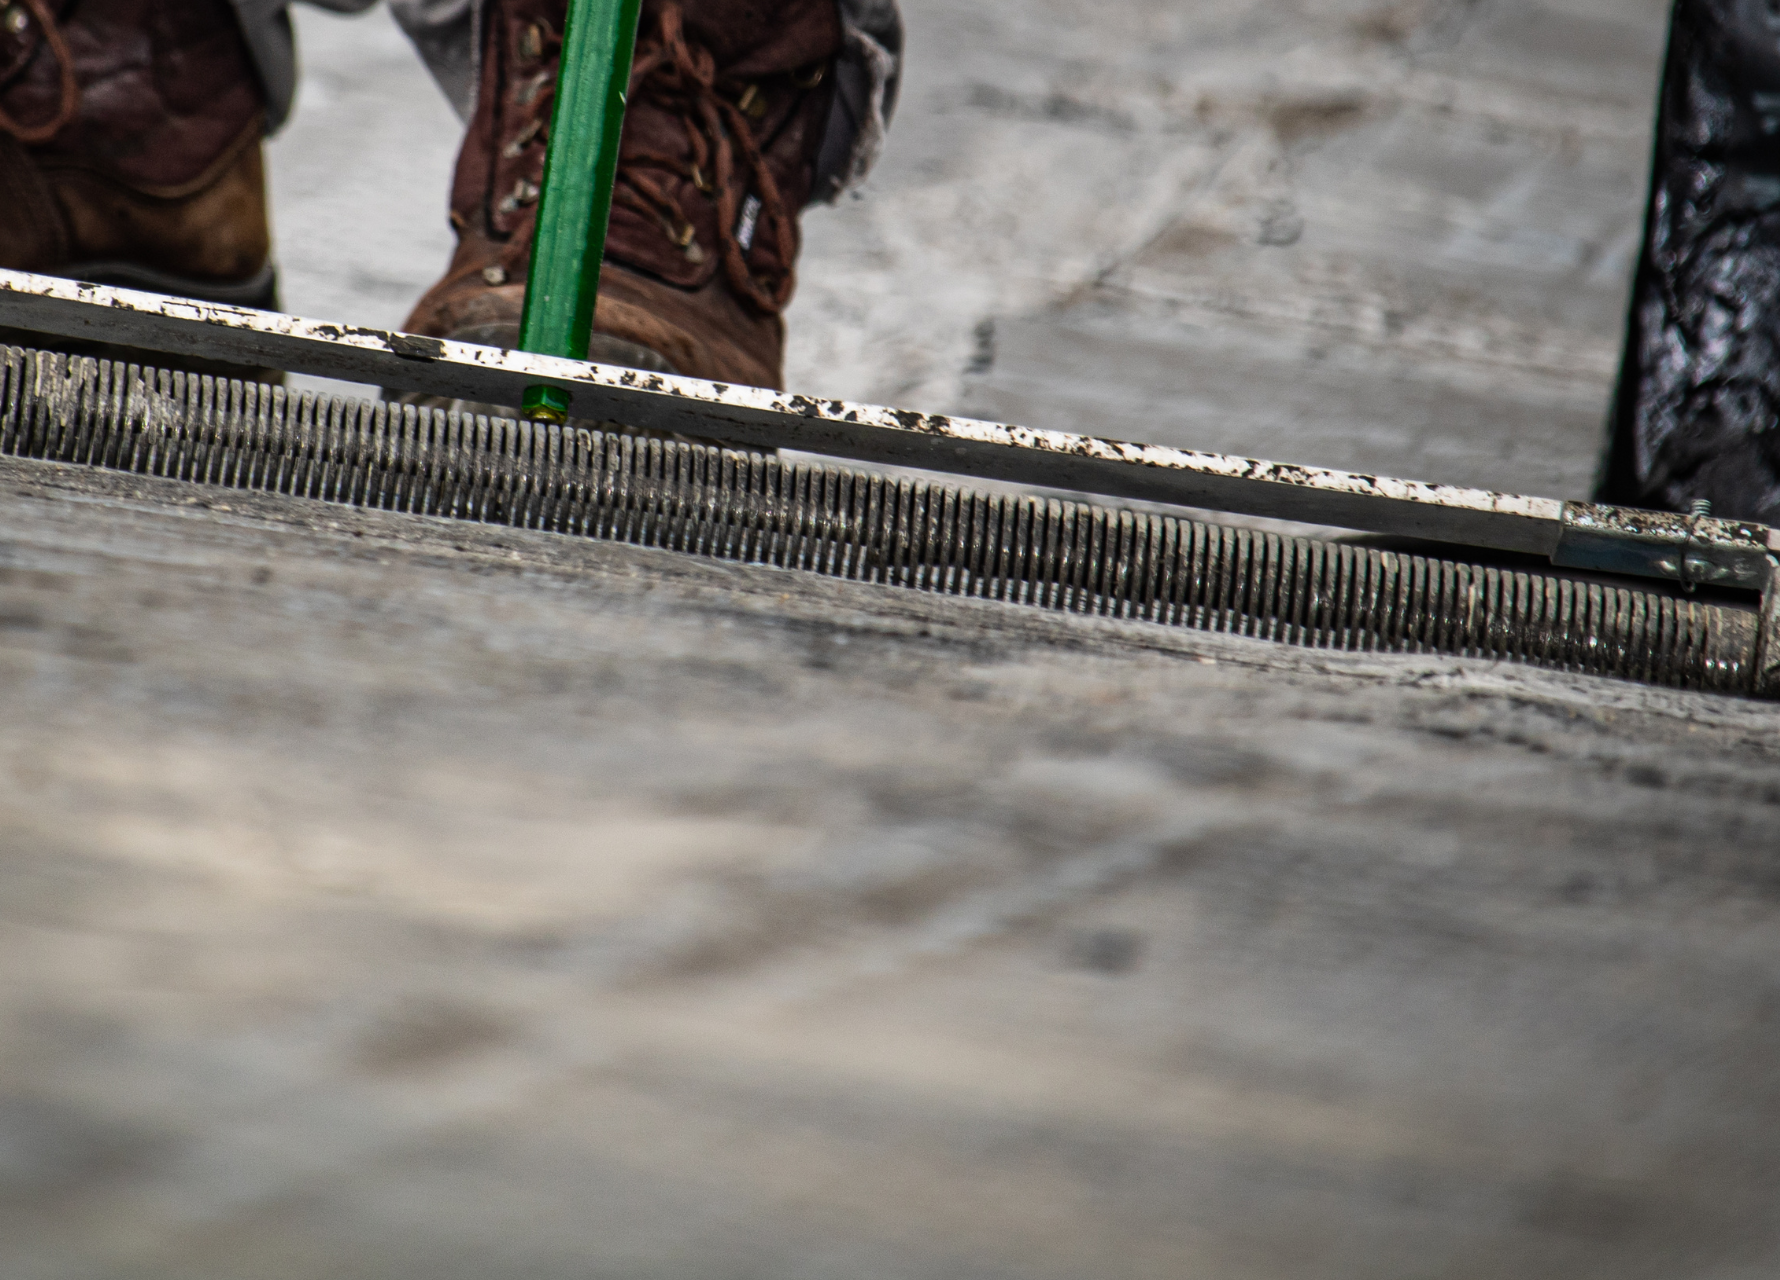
{"x":1691,"y":550}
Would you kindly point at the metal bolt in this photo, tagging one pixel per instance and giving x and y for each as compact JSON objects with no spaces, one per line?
{"x":1701,"y":507}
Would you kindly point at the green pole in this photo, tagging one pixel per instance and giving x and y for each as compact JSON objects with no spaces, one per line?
{"x":575,"y":200}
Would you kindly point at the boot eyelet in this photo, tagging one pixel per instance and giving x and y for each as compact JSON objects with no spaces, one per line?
{"x":523,"y":139}
{"x":531,"y":43}
{"x":752,"y":103}
{"x":810,"y":77}
{"x":523,"y":193}
{"x":494,"y":275}
{"x":15,"y":19}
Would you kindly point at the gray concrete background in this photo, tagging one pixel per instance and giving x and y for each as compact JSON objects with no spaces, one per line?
{"x":360,"y":177}
{"x":381,"y":897}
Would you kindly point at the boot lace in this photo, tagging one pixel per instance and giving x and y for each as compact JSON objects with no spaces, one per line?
{"x":68,"y":99}
{"x":682,"y":78}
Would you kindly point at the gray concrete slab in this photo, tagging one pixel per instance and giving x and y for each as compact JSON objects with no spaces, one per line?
{"x":386,"y":897}
{"x":389,"y":897}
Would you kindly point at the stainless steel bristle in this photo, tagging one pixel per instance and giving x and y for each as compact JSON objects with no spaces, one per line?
{"x":754,"y":508}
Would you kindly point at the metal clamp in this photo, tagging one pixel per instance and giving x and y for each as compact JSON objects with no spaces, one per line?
{"x":1694,"y":550}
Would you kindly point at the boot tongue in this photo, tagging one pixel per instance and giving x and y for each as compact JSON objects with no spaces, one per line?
{"x":751,"y":40}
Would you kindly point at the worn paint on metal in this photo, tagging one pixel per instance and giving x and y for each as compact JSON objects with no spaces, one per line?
{"x":1728,"y":552}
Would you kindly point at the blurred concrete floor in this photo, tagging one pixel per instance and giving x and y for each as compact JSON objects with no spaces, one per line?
{"x":387,"y":898}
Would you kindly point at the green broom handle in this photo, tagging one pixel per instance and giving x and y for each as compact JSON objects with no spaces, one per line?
{"x":575,"y":199}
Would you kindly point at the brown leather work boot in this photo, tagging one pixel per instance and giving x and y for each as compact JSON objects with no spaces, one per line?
{"x":728,"y":100}
{"x":130,"y":148}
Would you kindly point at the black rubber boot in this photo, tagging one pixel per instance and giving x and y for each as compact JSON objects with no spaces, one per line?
{"x":1697,"y":414}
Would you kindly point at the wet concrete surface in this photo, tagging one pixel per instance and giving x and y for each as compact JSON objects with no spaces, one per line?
{"x":388,"y":897}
